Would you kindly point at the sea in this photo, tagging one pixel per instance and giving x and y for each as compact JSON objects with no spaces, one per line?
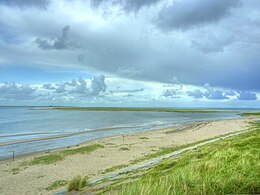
{"x":24,"y":130}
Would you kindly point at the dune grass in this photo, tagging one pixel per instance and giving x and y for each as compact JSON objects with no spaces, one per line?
{"x":229,"y":166}
{"x":114,"y":168}
{"x":155,"y":154}
{"x":81,"y":150}
{"x":46,"y":159}
{"x":165,"y":151}
{"x":77,"y":183}
{"x":57,"y":184}
{"x":58,"y":156}
{"x":15,"y":171}
{"x":143,"y":138}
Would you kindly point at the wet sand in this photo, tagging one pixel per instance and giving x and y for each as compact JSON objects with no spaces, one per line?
{"x":18,"y":178}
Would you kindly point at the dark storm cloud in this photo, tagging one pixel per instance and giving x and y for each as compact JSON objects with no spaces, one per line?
{"x":190,"y":13}
{"x":196,"y":94}
{"x":220,"y":95}
{"x":27,"y":3}
{"x":59,"y":43}
{"x":246,"y":95}
{"x":230,"y":93}
{"x":210,"y":93}
{"x":128,"y":5}
{"x":214,"y":94}
{"x":135,"y":5}
{"x":128,"y":71}
{"x":209,"y":43}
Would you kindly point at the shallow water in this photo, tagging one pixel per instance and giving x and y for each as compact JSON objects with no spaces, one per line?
{"x":21,"y":123}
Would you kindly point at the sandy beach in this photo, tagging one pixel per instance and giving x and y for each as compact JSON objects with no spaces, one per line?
{"x":19,"y":177}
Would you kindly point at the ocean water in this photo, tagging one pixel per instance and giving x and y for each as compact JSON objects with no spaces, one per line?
{"x":22,"y":124}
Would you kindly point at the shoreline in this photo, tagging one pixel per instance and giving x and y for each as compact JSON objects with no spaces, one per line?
{"x":115,"y":152}
{"x":178,"y":127}
{"x":7,"y":159}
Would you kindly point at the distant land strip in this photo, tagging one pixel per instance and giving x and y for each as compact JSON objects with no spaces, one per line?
{"x":127,"y":109}
{"x":251,"y":114}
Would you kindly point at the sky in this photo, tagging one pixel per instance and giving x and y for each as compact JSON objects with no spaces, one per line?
{"x":131,"y":53}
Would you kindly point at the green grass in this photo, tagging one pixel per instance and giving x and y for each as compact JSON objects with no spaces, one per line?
{"x":81,"y":150}
{"x":114,"y":168}
{"x":15,"y":171}
{"x":77,"y":183}
{"x":251,"y":114}
{"x":156,"y":154}
{"x":143,"y":138}
{"x":229,"y":166}
{"x":165,"y":151}
{"x":58,"y":156}
{"x":57,"y":184}
{"x":46,"y":159}
{"x":129,"y":109}
{"x":124,"y":148}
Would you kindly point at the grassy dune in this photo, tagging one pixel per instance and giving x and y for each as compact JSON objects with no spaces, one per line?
{"x":229,"y":166}
{"x":251,"y":114}
{"x":128,"y":109}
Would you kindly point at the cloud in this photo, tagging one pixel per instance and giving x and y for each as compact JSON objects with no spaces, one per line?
{"x":98,"y":85}
{"x":127,"y":5}
{"x":80,"y":87}
{"x":27,"y":3}
{"x":72,"y":83}
{"x":210,"y":93}
{"x":47,"y":86}
{"x":170,"y":93}
{"x":224,"y":53}
{"x":175,"y":83}
{"x":128,"y":71}
{"x":209,"y":43}
{"x":129,"y":95}
{"x":128,"y":90}
{"x":136,"y":5}
{"x":59,"y":43}
{"x":190,"y":13}
{"x":13,"y":91}
{"x":230,"y":93}
{"x":215,"y":95}
{"x":196,"y":94}
{"x":124,"y":92}
{"x":245,"y":95}
{"x":61,"y":89}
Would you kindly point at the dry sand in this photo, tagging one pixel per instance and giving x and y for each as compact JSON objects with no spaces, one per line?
{"x":33,"y":179}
